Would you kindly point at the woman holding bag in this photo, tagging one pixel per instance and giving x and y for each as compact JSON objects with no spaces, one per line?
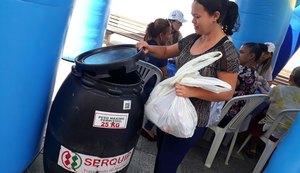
{"x":213,"y":20}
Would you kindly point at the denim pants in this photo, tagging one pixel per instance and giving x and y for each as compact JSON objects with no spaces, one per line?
{"x":171,"y":150}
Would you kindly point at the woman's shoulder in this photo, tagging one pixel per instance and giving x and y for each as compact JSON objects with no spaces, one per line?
{"x":190,"y":37}
{"x":230,"y":50}
{"x":230,"y":60}
{"x":228,"y":44}
{"x":188,"y":40}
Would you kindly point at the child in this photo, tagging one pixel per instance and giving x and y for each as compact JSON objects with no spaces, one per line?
{"x":281,"y":97}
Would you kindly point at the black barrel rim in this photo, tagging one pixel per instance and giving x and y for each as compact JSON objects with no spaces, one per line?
{"x":126,"y":64}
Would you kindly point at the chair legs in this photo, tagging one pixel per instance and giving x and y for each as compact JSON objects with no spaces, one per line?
{"x":268,"y":150}
{"x":214,"y":148}
{"x":231,"y":146}
{"x":244,"y":143}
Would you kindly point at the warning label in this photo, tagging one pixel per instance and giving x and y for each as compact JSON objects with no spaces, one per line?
{"x":76,"y":162}
{"x":110,"y":120}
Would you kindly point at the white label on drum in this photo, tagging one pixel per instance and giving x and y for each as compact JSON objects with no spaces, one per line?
{"x":110,"y":120}
{"x":77,"y":162}
{"x":127,"y":105}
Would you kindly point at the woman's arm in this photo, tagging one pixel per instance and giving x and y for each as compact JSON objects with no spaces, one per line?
{"x":186,"y":91}
{"x":161,"y":52}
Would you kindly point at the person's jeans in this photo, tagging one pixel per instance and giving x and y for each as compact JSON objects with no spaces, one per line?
{"x":171,"y":150}
{"x":148,"y":125}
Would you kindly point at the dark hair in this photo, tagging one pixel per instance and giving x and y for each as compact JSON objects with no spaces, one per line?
{"x":255,"y":49}
{"x":296,"y":75}
{"x":155,"y":28}
{"x":263,"y":47}
{"x":229,"y":13}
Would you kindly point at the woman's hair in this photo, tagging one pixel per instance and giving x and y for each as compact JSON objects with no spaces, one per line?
{"x":155,"y":28}
{"x":229,"y":13}
{"x":267,"y":63}
{"x":255,"y":49}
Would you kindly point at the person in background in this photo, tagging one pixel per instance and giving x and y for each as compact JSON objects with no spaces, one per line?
{"x":281,"y":97}
{"x":264,"y":67}
{"x":176,"y":19}
{"x":213,"y":20}
{"x":264,"y":79}
{"x":246,"y":83}
{"x":157,"y":33}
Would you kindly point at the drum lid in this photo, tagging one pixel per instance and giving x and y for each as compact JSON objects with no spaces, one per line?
{"x":102,"y":62}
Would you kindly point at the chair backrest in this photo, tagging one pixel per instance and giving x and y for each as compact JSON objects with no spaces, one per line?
{"x":284,"y":114}
{"x":148,"y":70}
{"x":251,"y":102}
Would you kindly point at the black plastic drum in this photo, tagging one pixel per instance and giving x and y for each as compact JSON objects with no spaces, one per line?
{"x":97,"y":114}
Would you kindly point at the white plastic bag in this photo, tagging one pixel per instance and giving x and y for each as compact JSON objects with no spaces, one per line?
{"x":215,"y":113}
{"x":208,"y":83}
{"x":176,"y":115}
{"x":191,"y":70}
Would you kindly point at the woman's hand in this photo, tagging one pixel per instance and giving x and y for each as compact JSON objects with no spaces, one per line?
{"x":142,"y":45}
{"x":183,"y":91}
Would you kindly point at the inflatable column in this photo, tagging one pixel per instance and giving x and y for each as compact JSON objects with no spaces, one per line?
{"x":291,"y":42}
{"x":263,"y":21}
{"x":87,"y":27}
{"x":32,"y":33}
{"x":286,"y":158}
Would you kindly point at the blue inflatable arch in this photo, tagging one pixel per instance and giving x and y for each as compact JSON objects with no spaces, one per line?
{"x":291,"y":42}
{"x":32,"y":34}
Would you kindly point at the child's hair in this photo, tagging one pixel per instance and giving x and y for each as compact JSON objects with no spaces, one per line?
{"x":255,"y":49}
{"x":267,"y":63}
{"x":296,"y":76}
{"x":155,"y":28}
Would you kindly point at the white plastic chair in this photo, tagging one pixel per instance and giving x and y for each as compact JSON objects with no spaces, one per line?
{"x":269,"y":144}
{"x":147,"y":70}
{"x":251,"y":102}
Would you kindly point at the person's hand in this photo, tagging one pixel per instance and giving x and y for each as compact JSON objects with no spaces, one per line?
{"x":183,"y":91}
{"x":142,"y":45}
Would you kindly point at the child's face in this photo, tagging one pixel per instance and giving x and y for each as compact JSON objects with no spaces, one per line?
{"x":245,"y":55}
{"x":264,"y":56}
